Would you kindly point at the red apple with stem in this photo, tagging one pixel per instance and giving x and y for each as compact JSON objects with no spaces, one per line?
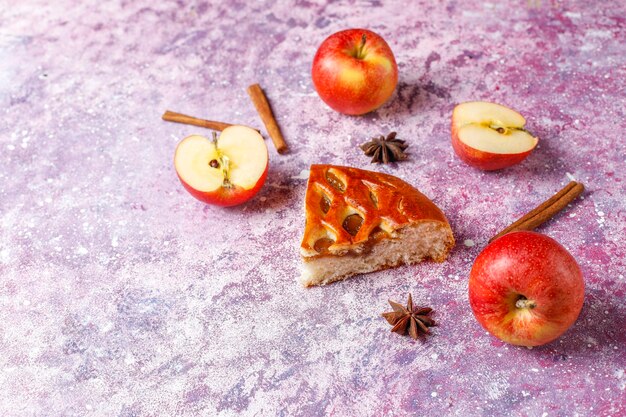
{"x":526,"y":289}
{"x":224,"y":171}
{"x":354,"y":71}
{"x":490,"y":136}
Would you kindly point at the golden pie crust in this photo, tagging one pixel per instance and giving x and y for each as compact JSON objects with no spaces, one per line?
{"x":348,"y":209}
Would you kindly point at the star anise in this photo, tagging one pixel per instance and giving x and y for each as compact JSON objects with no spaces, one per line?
{"x":385,"y":150}
{"x":411,"y":318}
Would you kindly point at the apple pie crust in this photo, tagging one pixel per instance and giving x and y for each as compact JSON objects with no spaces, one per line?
{"x":361,"y":221}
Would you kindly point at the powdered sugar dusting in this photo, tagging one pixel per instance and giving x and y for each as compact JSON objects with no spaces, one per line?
{"x":122,"y":295}
{"x":303,"y":175}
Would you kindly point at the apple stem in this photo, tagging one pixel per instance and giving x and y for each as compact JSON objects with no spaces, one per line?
{"x":525,"y":303}
{"x":359,"y":53}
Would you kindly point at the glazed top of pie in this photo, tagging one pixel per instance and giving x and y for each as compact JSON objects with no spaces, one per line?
{"x":347,"y":207}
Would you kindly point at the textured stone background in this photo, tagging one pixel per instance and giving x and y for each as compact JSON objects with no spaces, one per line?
{"x":122,"y":295}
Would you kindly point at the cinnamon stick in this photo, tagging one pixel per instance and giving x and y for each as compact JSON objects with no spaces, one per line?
{"x":546,"y":210}
{"x":265,"y":111}
{"x":170,"y":116}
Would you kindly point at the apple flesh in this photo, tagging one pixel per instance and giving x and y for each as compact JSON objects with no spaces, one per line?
{"x":354,"y":71}
{"x":526,"y":289}
{"x":490,"y":136}
{"x":225,"y":171}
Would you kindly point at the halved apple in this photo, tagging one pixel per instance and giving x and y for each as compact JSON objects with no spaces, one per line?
{"x":225,"y":171}
{"x":490,"y":136}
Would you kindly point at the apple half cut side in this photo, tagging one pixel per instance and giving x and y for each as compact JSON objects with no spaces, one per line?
{"x":225,"y":171}
{"x":490,"y":136}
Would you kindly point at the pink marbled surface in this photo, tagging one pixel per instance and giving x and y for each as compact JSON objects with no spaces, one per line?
{"x":122,"y":295}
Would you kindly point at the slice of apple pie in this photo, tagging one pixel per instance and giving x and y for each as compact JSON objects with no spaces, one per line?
{"x":361,"y":221}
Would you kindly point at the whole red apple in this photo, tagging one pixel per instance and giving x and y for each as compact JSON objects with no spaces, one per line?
{"x":354,"y":71}
{"x":225,"y":171}
{"x":526,"y":289}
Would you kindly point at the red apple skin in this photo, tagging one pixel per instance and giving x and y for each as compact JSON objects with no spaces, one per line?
{"x":333,"y":59}
{"x":537,"y":267}
{"x":486,"y":161}
{"x":227,"y":197}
